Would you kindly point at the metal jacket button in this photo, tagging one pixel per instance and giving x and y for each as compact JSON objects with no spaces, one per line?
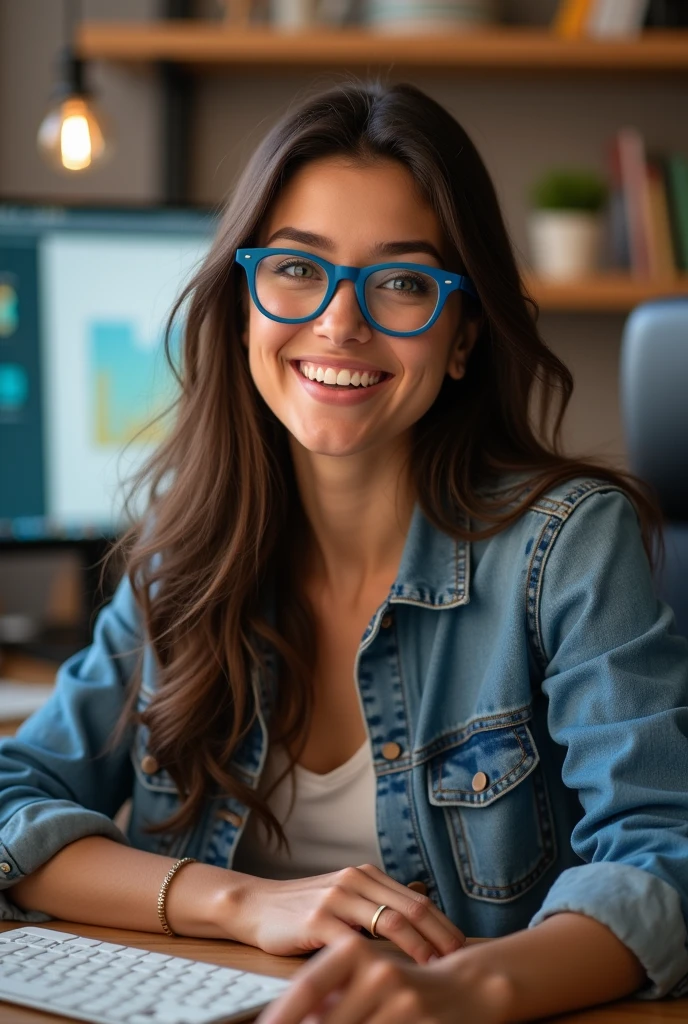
{"x":479,"y":782}
{"x":230,"y":816}
{"x":149,"y":764}
{"x":391,"y":751}
{"x":419,"y":887}
{"x":5,"y":867}
{"x":387,"y":620}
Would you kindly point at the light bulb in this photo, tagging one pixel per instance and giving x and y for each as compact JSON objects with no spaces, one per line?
{"x":73,"y":135}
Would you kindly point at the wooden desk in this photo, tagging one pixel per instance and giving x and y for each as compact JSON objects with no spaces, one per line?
{"x":233,"y":954}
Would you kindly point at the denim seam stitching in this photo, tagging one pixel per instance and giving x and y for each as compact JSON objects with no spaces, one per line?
{"x":422,"y":853}
{"x":548,"y":536}
{"x":447,"y":740}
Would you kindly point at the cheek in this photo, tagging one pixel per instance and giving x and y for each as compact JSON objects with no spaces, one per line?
{"x":425,"y":358}
{"x":265,"y":340}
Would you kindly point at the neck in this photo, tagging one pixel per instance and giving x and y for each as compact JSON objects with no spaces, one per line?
{"x":359,"y":508}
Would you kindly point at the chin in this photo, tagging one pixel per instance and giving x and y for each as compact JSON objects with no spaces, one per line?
{"x":328,"y":444}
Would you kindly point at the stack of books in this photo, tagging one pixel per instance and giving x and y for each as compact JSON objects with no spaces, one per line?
{"x":609,"y":19}
{"x":649,"y":208}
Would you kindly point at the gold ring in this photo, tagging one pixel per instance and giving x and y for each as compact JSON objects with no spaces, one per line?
{"x":376,"y":917}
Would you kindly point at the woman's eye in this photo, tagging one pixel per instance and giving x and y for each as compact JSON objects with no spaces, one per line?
{"x":404,"y":284}
{"x":298,"y":270}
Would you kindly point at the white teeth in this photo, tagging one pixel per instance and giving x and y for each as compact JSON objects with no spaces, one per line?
{"x":343,"y":378}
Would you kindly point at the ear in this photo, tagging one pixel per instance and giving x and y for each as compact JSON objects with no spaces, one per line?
{"x":462,"y":347}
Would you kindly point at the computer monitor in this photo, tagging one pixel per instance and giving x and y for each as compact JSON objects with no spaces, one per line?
{"x":84,"y":297}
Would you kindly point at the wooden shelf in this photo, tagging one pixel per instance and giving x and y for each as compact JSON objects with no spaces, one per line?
{"x":606,"y":293}
{"x":207,"y":45}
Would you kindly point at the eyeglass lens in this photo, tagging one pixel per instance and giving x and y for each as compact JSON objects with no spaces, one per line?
{"x":293,"y":287}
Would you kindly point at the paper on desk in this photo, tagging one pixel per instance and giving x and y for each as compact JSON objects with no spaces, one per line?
{"x":19,"y":700}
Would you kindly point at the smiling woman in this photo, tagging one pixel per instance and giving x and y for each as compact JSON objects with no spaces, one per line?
{"x":383,"y":659}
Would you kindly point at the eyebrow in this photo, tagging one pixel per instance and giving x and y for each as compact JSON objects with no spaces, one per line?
{"x":379,"y":249}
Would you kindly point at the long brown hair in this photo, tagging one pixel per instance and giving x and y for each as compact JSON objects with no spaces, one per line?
{"x":223,"y":513}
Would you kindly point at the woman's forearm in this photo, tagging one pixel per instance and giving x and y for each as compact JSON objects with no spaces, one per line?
{"x":567,"y":962}
{"x":98,"y":881}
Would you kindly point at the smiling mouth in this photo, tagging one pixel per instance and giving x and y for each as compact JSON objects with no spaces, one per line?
{"x":341,"y":379}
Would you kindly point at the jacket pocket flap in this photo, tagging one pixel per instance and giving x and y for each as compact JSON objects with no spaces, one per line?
{"x":483,"y":767}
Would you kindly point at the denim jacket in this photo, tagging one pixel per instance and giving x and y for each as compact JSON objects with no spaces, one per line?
{"x":525,"y":701}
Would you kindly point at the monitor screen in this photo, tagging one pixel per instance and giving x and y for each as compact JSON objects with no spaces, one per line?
{"x":84,"y":299}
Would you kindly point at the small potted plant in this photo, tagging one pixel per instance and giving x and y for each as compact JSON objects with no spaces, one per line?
{"x":565,"y":223}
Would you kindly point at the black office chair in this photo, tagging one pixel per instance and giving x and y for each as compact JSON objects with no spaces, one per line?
{"x":654,"y":402}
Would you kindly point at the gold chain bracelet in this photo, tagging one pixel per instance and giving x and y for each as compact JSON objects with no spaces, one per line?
{"x":162,"y":895}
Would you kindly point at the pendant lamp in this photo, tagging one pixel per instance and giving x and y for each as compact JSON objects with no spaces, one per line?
{"x":73,"y":135}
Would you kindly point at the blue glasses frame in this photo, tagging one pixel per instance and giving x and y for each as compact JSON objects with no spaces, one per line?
{"x":447,"y":282}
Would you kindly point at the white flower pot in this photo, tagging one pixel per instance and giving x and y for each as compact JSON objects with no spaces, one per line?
{"x":409,"y":16}
{"x":565,"y":243}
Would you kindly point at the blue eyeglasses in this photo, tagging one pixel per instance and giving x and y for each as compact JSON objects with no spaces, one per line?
{"x":403,"y":299}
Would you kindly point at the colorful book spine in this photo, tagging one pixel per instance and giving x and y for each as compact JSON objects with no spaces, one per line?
{"x":629,"y":167}
{"x":662,"y":261}
{"x":677,"y":188}
{"x":571,"y":18}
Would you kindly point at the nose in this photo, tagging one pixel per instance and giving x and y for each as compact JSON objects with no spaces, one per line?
{"x":342,"y":320}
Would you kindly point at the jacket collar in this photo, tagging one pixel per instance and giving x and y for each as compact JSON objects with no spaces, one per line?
{"x":434,"y":570}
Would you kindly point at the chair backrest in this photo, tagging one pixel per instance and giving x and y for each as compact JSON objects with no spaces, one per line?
{"x":654,"y":404}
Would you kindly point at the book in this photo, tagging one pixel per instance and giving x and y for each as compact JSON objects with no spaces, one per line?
{"x":677,"y":189}
{"x":570,"y":18}
{"x":630,"y":176}
{"x":662,"y":260}
{"x":667,"y":14}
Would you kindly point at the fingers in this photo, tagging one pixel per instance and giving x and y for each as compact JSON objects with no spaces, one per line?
{"x":332,"y":969}
{"x":437,"y":934}
{"x":379,"y":876}
{"x":391,"y":924}
{"x":376,"y":985}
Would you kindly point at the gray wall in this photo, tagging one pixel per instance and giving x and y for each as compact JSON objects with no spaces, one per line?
{"x":520,"y":124}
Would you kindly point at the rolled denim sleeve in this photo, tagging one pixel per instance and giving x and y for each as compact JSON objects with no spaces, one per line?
{"x":59,"y":781}
{"x":617,"y":684}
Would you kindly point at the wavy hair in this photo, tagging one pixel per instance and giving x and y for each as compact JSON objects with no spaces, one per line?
{"x":223,"y":519}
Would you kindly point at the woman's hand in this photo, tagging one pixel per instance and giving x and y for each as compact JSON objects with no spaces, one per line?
{"x":304,"y":914}
{"x":352,"y":983}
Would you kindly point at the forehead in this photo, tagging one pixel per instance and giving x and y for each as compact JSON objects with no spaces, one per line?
{"x":350,"y":202}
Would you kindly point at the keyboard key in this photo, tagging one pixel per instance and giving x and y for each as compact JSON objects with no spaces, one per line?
{"x":130,"y":953}
{"x":157,"y":958}
{"x":46,"y":933}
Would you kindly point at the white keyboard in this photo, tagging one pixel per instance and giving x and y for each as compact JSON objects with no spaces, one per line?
{"x":107,"y":983}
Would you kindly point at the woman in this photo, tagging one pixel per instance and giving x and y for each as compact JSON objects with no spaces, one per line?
{"x":362,"y":571}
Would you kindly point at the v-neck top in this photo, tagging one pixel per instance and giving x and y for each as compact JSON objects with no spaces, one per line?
{"x":331,"y":825}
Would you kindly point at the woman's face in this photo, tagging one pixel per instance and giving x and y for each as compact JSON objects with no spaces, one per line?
{"x":353,"y":209}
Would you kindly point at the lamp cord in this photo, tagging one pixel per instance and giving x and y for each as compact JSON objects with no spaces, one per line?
{"x":72,"y":16}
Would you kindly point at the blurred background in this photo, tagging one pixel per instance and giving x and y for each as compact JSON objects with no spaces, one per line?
{"x":578,"y":107}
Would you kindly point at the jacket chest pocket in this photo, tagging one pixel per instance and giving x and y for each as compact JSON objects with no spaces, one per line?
{"x":492,"y":792}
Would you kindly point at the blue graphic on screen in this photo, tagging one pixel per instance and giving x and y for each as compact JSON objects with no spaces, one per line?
{"x":131,"y":384}
{"x":14,"y":387}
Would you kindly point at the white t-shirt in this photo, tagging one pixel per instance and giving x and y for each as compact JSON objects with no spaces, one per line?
{"x":331,"y":825}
